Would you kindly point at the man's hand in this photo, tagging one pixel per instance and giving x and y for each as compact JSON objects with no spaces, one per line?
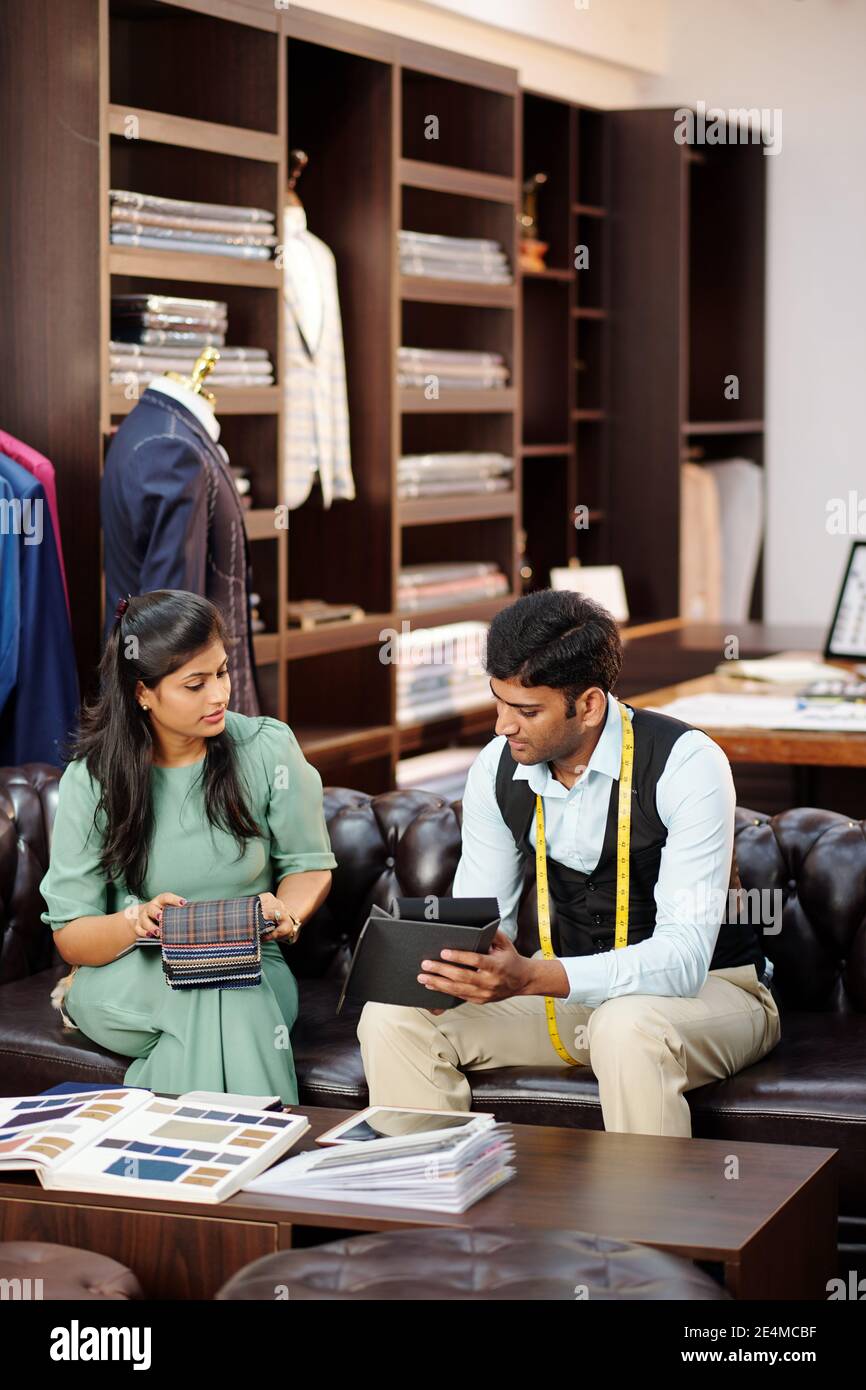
{"x":501,"y":974}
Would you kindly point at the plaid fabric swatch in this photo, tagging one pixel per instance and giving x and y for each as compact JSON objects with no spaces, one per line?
{"x":214,"y":945}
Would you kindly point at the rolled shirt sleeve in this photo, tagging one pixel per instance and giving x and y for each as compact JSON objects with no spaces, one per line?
{"x":696,"y":800}
{"x":295,"y":815}
{"x":73,"y":885}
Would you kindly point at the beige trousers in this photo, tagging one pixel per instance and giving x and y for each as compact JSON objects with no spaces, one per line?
{"x":645,"y":1050}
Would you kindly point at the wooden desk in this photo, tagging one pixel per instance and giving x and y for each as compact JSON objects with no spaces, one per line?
{"x":791,"y":747}
{"x":773,"y":1230}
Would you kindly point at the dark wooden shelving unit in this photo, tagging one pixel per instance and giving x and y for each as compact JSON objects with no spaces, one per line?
{"x":565,"y":340}
{"x":613,"y":370}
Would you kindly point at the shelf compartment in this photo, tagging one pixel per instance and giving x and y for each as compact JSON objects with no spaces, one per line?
{"x":589,"y":367}
{"x":339,"y":698}
{"x":546,"y":373}
{"x":726,"y":282}
{"x":450,"y":432}
{"x":546,"y":150}
{"x":454,"y":214}
{"x":252,"y":322}
{"x":340,"y":112}
{"x":591,"y":181}
{"x":590,"y":279}
{"x":547,"y":518}
{"x":165,"y":57}
{"x":475,"y":124}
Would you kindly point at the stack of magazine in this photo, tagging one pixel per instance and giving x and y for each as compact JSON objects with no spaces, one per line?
{"x":447,"y":1171}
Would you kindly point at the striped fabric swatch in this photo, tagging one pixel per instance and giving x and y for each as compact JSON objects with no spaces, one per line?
{"x":214,"y":945}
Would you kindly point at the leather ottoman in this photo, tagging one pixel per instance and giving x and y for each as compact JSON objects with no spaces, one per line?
{"x":37,"y":1270}
{"x":493,"y":1264}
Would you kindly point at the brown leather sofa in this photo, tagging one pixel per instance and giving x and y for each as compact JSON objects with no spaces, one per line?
{"x":811,"y":1089}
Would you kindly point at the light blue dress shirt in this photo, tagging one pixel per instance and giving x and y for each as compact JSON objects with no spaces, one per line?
{"x":695,"y":799}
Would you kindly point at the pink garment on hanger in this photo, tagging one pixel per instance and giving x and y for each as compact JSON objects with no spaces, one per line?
{"x":43,"y":471}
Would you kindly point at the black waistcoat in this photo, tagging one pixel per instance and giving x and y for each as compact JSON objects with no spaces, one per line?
{"x":583,"y":906}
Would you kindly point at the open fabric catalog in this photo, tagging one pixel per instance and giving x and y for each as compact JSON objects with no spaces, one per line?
{"x":447,"y":1171}
{"x":120,"y":1139}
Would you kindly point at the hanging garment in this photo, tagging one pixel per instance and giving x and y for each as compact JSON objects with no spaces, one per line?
{"x":172,"y":519}
{"x":42,"y":707}
{"x":741,"y":516}
{"x":700,"y":547}
{"x":41,"y":469}
{"x":316,"y":414}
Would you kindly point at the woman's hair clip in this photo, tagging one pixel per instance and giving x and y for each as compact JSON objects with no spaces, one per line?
{"x":121,"y":608}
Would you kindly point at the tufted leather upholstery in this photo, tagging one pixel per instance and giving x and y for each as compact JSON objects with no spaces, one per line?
{"x":492,"y":1264}
{"x":65,"y":1272}
{"x":811,"y":1089}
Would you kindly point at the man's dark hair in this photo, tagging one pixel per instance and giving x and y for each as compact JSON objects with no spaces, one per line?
{"x":558,"y":638}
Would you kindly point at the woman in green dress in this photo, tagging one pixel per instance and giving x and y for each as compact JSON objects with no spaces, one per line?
{"x":171,"y":797}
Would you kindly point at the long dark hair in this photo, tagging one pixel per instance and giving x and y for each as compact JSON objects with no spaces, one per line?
{"x":158,"y":633}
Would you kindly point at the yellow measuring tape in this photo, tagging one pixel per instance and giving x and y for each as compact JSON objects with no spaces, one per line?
{"x":623,"y":840}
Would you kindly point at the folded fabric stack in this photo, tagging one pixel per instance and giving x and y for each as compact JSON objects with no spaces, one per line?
{"x":174,"y":224}
{"x":168,"y":322}
{"x":155,"y":333}
{"x":453,"y":368}
{"x":449,"y":474}
{"x":453,"y":258}
{"x":440,"y":671}
{"x":213,"y":945}
{"x":435,"y":585}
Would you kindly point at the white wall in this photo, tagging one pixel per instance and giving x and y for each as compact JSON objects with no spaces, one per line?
{"x":805,"y":57}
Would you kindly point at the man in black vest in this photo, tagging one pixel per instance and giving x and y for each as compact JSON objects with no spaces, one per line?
{"x":687,"y":1000}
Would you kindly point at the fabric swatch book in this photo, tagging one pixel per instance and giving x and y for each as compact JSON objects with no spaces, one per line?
{"x":120,"y":1139}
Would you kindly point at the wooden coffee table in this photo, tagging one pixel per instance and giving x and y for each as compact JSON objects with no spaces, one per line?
{"x":772,"y":1227}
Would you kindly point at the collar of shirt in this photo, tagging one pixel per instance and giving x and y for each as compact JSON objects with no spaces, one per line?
{"x":605,"y":758}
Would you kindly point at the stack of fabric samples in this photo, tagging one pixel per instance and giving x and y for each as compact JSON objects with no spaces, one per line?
{"x":453,"y":258}
{"x":450,"y":474}
{"x":451,"y":368}
{"x":168,"y":322}
{"x":175,"y":224}
{"x":213,"y":945}
{"x":436,"y":585}
{"x":155,"y":333}
{"x":440,"y":671}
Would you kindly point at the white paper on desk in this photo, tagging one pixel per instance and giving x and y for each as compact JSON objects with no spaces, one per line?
{"x":780,"y":670}
{"x":715,"y":711}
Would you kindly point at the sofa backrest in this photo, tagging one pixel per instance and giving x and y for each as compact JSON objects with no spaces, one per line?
{"x":803,"y":871}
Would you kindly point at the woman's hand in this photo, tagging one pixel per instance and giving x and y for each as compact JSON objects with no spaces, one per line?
{"x":275,"y":911}
{"x":147,"y":917}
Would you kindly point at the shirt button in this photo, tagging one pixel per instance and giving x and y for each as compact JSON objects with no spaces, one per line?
{"x":597,"y":919}
{"x":590,"y":885}
{"x":389,"y":862}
